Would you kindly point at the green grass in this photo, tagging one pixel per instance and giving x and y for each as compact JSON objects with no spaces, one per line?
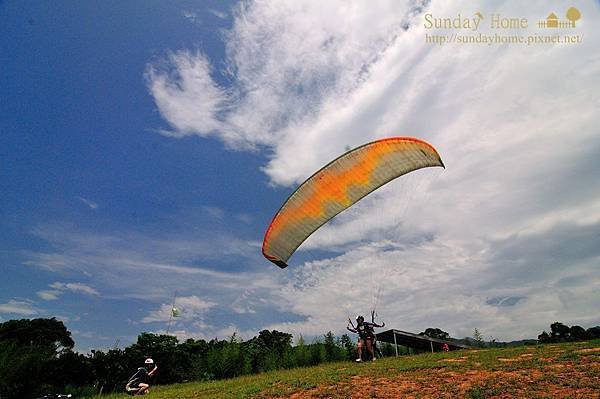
{"x":336,"y":379}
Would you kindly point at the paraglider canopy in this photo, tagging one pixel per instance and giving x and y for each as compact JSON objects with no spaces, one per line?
{"x":340,"y":184}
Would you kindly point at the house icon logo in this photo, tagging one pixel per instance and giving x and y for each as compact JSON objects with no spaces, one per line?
{"x":552,"y":20}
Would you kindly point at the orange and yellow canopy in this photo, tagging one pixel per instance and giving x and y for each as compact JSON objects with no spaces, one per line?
{"x":339,"y":185}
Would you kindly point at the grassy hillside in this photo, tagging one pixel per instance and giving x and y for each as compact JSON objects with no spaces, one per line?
{"x":545,"y":371}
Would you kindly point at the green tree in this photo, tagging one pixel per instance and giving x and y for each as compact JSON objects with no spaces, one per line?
{"x":110,"y":369}
{"x":349,"y":347}
{"x":330,"y":347}
{"x":162,"y":349}
{"x":70,"y":369}
{"x":21,"y":370}
{"x":28,"y":349}
{"x":593,"y":332}
{"x":578,"y":333}
{"x":435,"y":333}
{"x":478,"y":338}
{"x":269,"y":350}
{"x":233,"y":361}
{"x":559,"y":332}
{"x":317,"y":353}
{"x":192,"y":359}
{"x":544,"y":338}
{"x":301,"y":353}
{"x":40,"y":333}
{"x":387,"y":349}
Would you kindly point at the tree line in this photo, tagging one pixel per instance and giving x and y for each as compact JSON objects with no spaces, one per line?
{"x":560,"y":332}
{"x":37,"y":357}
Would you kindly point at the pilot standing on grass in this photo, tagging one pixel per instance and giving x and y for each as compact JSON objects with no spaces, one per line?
{"x":139,"y":383}
{"x":366,"y":336}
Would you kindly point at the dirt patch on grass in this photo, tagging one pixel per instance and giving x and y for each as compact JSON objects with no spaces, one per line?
{"x":563,"y":380}
{"x":588,"y":350}
{"x":509,"y":359}
{"x":455,"y":360}
{"x":524,"y":356}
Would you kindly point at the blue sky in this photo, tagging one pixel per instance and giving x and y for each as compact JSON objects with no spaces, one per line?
{"x":81,"y":151}
{"x":145,"y":146}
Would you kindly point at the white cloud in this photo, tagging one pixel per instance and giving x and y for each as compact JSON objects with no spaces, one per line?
{"x":23,"y":308}
{"x":59,"y":288}
{"x":191,"y":103}
{"x":91,"y":204}
{"x":217,"y":13}
{"x":190,"y":307}
{"x":515,"y":125}
{"x":286,"y":61}
{"x":244,"y":303}
{"x":150,"y":268}
{"x":190,"y":16}
{"x":78,"y":288}
{"x":214,"y":212}
{"x":49,"y":295}
{"x":450,"y":284}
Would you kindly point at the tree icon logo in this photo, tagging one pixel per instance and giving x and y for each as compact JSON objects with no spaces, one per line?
{"x":552,"y":20}
{"x":573,"y":15}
